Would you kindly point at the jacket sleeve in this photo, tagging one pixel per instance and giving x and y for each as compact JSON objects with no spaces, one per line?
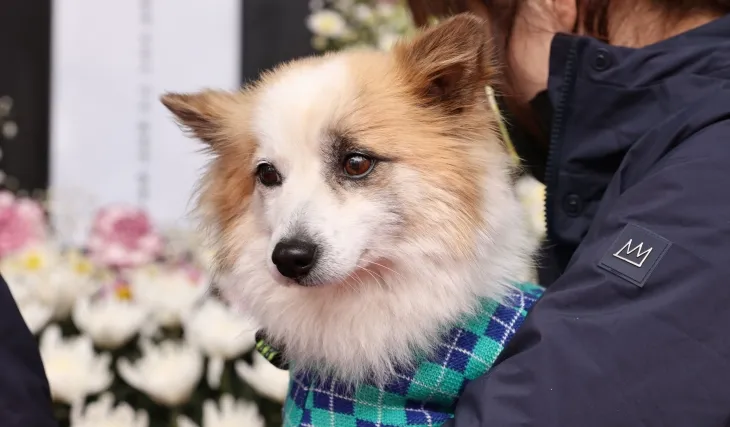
{"x":25,"y":399}
{"x":603,"y":349}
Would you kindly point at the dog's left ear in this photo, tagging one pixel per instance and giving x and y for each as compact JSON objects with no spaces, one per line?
{"x":450,"y":63}
{"x":201,"y":114}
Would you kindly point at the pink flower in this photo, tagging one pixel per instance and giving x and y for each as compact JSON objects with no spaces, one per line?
{"x":123,"y":237}
{"x":22,"y":223}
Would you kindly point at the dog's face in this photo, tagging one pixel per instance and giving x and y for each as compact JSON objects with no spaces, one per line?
{"x":345,"y":162}
{"x":352,"y":175}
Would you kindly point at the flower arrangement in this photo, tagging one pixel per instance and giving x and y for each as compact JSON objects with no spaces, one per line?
{"x":338,"y":24}
{"x":127,"y":331}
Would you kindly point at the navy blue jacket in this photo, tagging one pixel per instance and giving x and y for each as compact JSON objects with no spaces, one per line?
{"x":25,"y":399}
{"x":635,"y":330}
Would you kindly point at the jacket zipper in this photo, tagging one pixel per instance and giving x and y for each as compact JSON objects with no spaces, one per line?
{"x":556,"y":133}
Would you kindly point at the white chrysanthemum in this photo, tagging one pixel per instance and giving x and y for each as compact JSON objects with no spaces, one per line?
{"x":64,"y":287}
{"x":230,"y":413}
{"x":168,"y":294}
{"x":35,"y":314}
{"x":264,"y":377}
{"x":363,"y":13}
{"x":27,"y":268}
{"x":168,"y":372}
{"x":110,"y":322}
{"x":221,"y":334}
{"x":52,"y":279}
{"x":32,"y":259}
{"x":386,"y":9}
{"x":73,"y":369}
{"x":327,"y":23}
{"x":102,"y":413}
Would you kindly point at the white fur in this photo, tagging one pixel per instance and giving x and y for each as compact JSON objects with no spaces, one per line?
{"x":389,"y":296}
{"x":289,"y":122}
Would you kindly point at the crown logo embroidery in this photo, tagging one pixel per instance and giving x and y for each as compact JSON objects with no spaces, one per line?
{"x":634,"y":255}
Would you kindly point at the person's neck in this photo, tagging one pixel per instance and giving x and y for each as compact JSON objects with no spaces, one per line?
{"x":637,"y":28}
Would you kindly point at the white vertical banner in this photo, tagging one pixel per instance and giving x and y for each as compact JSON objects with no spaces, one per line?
{"x":111,"y":139}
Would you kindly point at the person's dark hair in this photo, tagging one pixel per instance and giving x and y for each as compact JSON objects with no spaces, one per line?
{"x":593,"y":14}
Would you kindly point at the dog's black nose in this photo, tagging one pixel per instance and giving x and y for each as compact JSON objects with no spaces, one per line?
{"x":294,"y":258}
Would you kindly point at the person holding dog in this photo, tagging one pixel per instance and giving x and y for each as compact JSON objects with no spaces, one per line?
{"x":622,"y":108}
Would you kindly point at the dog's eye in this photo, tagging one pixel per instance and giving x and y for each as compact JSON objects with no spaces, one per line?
{"x":268,"y":175}
{"x":357,"y":165}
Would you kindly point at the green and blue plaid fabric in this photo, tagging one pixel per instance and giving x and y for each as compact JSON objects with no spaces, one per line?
{"x":423,"y":396}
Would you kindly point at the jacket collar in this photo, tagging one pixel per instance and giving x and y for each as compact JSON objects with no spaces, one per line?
{"x":605,"y":98}
{"x":594,"y":86}
{"x":703,"y":50}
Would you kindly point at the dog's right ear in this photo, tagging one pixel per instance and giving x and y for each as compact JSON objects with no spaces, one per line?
{"x":451,"y":63}
{"x":201,"y":114}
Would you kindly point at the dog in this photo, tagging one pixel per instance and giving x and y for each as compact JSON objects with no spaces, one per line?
{"x":362,"y":210}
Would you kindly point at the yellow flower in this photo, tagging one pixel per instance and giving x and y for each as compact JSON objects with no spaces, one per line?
{"x":123,"y":292}
{"x":34,"y":260}
{"x":80,"y":264}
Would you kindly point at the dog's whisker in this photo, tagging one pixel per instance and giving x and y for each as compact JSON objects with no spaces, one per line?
{"x":359,"y":267}
{"x":379,"y":282}
{"x":362,"y":284}
{"x":389,"y":269}
{"x":350,"y":285}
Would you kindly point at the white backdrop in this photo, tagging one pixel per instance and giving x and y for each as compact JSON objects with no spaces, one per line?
{"x":111,"y":139}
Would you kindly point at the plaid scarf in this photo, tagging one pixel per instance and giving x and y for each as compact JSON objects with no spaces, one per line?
{"x":422,"y":396}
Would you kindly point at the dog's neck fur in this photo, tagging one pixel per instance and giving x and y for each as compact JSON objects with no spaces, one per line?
{"x":335,"y":331}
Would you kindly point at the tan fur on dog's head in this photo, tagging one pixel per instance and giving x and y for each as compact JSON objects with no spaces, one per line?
{"x":403,"y":251}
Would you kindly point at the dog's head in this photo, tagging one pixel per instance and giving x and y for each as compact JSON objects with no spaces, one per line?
{"x":351,"y":181}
